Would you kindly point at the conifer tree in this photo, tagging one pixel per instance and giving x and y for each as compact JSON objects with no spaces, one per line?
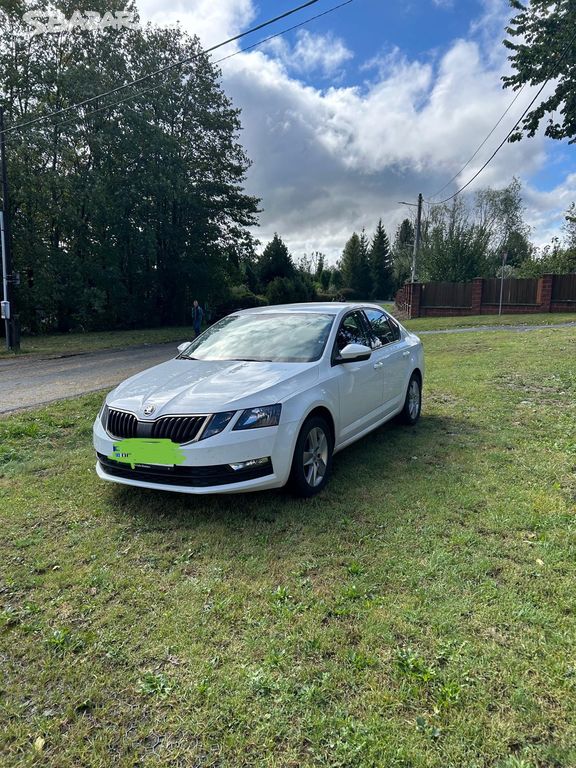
{"x":380,"y":261}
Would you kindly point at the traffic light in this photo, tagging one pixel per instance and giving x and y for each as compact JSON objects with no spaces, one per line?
{"x":30,"y":277}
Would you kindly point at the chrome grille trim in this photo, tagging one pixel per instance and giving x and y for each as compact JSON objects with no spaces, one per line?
{"x":179,"y":429}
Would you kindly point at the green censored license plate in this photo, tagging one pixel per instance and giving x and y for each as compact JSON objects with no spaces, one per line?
{"x":138,"y":450}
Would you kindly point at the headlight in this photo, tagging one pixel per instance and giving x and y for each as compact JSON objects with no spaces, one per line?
{"x":217,"y":423}
{"x":266,"y":416}
{"x":103,"y":415}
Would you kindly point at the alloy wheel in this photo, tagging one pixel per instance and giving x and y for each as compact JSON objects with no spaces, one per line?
{"x":414,"y":399}
{"x":315,"y":457}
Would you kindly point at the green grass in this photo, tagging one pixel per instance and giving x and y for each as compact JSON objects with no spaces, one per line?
{"x":72,"y":343}
{"x":440,"y":323}
{"x":418,"y":614}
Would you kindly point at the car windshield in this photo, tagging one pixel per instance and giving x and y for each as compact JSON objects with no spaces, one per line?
{"x":298,"y":337}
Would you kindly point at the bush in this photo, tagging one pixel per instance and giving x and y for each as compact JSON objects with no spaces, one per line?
{"x":304,"y":287}
{"x":284,"y":290}
{"x":280,"y":291}
{"x":239,"y":297}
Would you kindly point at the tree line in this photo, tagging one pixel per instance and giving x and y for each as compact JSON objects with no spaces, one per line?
{"x":120,"y":216}
{"x":470,"y":237}
{"x":276,"y":277}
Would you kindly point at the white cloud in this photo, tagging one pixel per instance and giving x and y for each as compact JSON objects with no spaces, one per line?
{"x":328,"y":161}
{"x":212,"y":20}
{"x":547,"y":210}
{"x":321,"y":53}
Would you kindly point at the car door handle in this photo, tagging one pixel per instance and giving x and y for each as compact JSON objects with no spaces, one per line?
{"x":378,"y":365}
{"x":406,"y":353}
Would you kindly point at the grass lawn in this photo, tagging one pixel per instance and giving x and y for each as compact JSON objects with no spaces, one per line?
{"x":440,"y":323}
{"x":72,"y":343}
{"x":419,"y":614}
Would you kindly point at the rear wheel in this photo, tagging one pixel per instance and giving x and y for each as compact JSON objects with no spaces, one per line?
{"x":312,"y":460}
{"x":413,"y":402}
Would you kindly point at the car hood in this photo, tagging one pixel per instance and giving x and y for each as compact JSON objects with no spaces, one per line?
{"x":208,"y":386}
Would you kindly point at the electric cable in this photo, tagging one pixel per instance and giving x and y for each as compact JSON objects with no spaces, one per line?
{"x":511,"y":131}
{"x":218,"y":61}
{"x":161,"y":70}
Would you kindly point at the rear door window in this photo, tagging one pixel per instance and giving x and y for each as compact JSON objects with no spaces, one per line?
{"x":385,"y":330}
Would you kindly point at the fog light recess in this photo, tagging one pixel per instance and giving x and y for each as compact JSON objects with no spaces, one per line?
{"x":249,"y":464}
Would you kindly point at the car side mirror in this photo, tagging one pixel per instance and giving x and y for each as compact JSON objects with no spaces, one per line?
{"x":182,"y":347}
{"x":354,"y":353}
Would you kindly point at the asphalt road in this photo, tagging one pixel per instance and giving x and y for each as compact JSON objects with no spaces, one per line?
{"x":29,"y":381}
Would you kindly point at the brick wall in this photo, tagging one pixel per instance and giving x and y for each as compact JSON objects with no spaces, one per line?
{"x":563,"y":306}
{"x":544,"y":295}
{"x":477,"y":296}
{"x":511,"y":309}
{"x":407,"y":300}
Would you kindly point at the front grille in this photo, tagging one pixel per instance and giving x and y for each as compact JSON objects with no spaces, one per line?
{"x":179,"y":429}
{"x":121,"y":424}
{"x":194,"y":477}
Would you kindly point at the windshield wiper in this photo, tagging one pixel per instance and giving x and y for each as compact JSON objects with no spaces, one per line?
{"x":249,"y":360}
{"x":187,"y":357}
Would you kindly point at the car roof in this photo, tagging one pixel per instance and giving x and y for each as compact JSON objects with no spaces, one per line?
{"x":326,"y":307}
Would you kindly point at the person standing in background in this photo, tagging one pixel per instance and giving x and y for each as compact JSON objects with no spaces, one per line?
{"x":197,"y":316}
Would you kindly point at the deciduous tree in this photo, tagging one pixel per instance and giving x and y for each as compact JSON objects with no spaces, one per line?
{"x":542,"y":41}
{"x":125,"y":214}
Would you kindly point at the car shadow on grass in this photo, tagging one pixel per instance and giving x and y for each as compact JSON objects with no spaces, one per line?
{"x":393,"y":459}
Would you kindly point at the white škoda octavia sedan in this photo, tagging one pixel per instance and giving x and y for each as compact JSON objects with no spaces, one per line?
{"x":263,"y":397}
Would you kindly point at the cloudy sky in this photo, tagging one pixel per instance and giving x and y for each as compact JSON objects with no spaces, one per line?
{"x":370,"y":105}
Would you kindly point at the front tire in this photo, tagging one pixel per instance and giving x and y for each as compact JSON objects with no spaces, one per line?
{"x":413,"y":402}
{"x":312,"y":461}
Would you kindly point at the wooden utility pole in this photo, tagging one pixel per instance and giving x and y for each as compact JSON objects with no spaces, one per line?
{"x":417,"y":236}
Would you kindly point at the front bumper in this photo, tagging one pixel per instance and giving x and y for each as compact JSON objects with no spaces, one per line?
{"x":206,"y":467}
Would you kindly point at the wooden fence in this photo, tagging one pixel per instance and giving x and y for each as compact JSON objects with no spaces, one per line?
{"x":549,"y":293}
{"x":515,"y":291}
{"x":564,"y":288}
{"x":446,"y":295}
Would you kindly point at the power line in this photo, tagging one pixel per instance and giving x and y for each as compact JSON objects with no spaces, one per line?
{"x":511,"y":131}
{"x":467,"y":163}
{"x":167,"y":68}
{"x":218,"y":61}
{"x":498,"y":148}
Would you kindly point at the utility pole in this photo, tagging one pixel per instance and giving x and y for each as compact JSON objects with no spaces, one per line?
{"x":417,"y":233}
{"x":8,"y":306}
{"x":417,"y":236}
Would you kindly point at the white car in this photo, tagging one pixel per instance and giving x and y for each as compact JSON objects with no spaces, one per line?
{"x":263,"y":397}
